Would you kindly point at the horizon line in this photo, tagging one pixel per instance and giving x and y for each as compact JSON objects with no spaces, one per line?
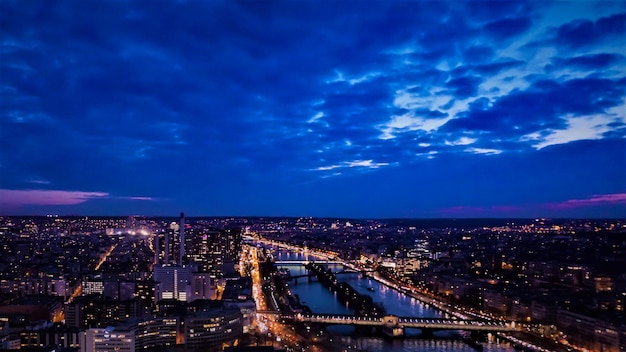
{"x":324,"y":217}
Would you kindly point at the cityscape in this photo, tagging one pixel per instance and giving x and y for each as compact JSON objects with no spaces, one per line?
{"x":141,"y":283}
{"x":312,"y":175}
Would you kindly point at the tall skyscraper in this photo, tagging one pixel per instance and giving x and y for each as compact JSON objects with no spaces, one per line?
{"x":131,"y":222}
{"x":166,"y":257}
{"x":181,"y":254}
{"x":157,"y":248}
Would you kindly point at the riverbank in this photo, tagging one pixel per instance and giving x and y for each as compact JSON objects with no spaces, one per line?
{"x":396,"y":300}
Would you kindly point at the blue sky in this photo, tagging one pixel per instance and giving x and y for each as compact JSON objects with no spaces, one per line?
{"x":313,"y":108}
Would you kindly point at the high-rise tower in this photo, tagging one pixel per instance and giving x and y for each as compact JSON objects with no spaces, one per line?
{"x":181,"y":254}
{"x":157,"y":248}
{"x":166,"y":257}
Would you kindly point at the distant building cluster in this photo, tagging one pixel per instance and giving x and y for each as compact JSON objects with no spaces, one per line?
{"x":134,"y":284}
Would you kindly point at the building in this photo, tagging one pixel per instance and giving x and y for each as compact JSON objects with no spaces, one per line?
{"x":181,"y":234}
{"x":34,"y":307}
{"x":91,"y":286}
{"x":409,"y":266}
{"x":602,"y":284}
{"x":44,"y":286}
{"x":115,"y":289}
{"x":214,"y":251}
{"x":8,"y":342}
{"x":132,"y":335}
{"x":238,"y":295}
{"x":212,"y":330}
{"x":99,"y":311}
{"x":172,"y":282}
{"x":50,"y":335}
{"x":157,"y":332}
{"x":589,"y":332}
{"x":175,"y":237}
{"x":201,"y":286}
{"x":107,"y":340}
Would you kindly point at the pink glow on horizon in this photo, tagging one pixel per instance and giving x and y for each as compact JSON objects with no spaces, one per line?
{"x":13,"y":198}
{"x":16,"y":198}
{"x":600,"y":199}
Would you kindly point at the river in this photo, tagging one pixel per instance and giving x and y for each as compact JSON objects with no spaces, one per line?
{"x":321,"y":300}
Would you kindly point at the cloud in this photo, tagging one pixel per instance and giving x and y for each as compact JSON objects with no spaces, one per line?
{"x":413,"y":121}
{"x":587,"y":62}
{"x":39,"y":182}
{"x":11,"y":198}
{"x":16,"y":198}
{"x":543,"y":106}
{"x":508,"y":27}
{"x":462,"y":141}
{"x":138,"y":198}
{"x":578,"y":128}
{"x":489,"y":69}
{"x":464,"y":87}
{"x":595,"y":200}
{"x":583,"y":32}
{"x":369,"y":164}
{"x":118,"y":103}
{"x":483,"y":151}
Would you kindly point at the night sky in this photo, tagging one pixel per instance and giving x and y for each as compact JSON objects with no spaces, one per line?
{"x":313,"y":108}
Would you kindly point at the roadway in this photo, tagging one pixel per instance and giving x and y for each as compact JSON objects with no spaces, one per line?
{"x":268,"y":327}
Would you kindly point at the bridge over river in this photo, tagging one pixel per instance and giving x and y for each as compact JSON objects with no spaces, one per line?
{"x":350,"y":270}
{"x":305,"y":262}
{"x":394,"y":325}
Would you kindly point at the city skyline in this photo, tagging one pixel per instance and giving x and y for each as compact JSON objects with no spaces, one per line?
{"x":346,"y":109}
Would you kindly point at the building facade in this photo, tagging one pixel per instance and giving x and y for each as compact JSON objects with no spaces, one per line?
{"x":212,"y":330}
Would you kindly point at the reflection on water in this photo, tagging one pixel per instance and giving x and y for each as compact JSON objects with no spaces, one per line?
{"x":373,"y":344}
{"x":322,"y":300}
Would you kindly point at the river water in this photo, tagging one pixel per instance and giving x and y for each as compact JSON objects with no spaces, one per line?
{"x":321,"y":300}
